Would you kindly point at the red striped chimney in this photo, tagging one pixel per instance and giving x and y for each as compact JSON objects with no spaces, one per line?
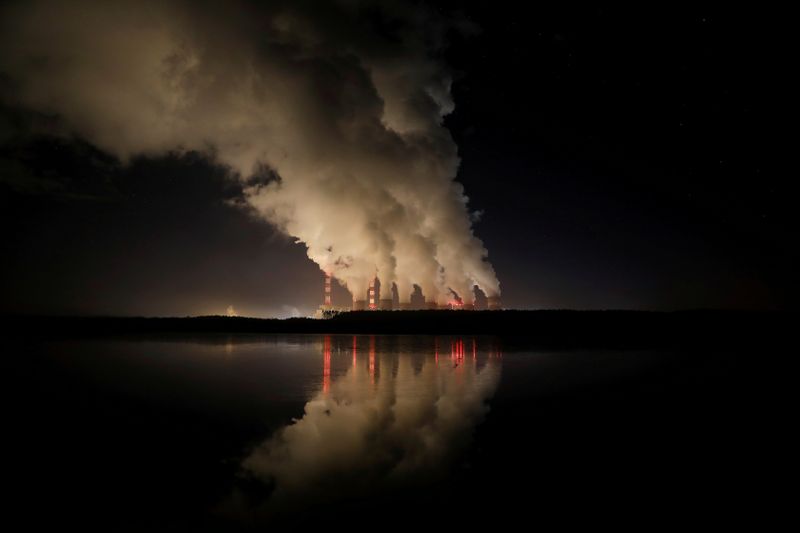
{"x":328,"y":279}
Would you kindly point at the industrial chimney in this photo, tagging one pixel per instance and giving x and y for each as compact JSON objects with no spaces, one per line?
{"x":327,"y":301}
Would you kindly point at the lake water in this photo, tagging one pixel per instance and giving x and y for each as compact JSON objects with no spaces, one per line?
{"x":246,"y":432}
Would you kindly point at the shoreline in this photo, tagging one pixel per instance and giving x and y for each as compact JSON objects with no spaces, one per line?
{"x":546,"y":328}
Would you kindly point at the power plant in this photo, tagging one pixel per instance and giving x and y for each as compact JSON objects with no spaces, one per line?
{"x":379,"y":297}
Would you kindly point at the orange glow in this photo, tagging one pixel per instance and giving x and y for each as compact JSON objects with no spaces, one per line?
{"x":354,"y":350}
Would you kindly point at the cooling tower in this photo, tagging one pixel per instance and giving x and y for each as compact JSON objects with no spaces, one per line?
{"x":373,"y":304}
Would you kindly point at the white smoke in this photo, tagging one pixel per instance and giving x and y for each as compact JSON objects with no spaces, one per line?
{"x":348,"y":117}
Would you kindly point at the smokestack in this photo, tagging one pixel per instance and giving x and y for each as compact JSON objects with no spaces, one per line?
{"x":494,"y":303}
{"x":327,"y":301}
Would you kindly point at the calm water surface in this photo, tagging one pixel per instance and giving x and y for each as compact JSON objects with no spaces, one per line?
{"x":247,"y":432}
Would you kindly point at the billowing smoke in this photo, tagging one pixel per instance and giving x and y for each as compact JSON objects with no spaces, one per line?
{"x":330,"y":112}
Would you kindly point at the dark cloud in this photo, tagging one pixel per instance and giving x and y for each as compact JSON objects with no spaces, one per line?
{"x":156,"y":236}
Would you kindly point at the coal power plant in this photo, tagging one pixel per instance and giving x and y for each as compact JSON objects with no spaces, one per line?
{"x":387,"y":297}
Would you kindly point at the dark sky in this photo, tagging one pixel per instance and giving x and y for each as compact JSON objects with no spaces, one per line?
{"x":620,"y":159}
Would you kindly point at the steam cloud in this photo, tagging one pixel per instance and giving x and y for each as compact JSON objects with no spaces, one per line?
{"x":345,"y":118}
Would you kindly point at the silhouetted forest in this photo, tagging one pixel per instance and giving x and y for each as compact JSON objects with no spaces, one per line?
{"x":555,"y":328}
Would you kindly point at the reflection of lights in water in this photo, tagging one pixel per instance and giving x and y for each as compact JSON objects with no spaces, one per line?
{"x":457,"y":350}
{"x":369,"y":430}
{"x":326,"y":364}
{"x":372,"y":359}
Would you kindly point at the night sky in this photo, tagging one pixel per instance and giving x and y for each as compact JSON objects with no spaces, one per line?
{"x":618,"y":159}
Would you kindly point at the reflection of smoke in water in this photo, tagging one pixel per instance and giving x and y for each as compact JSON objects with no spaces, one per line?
{"x":368,"y":430}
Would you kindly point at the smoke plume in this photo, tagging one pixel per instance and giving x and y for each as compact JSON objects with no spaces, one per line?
{"x":330,"y":113}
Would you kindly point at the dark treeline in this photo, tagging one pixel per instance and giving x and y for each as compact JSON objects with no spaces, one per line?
{"x":555,"y":328}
